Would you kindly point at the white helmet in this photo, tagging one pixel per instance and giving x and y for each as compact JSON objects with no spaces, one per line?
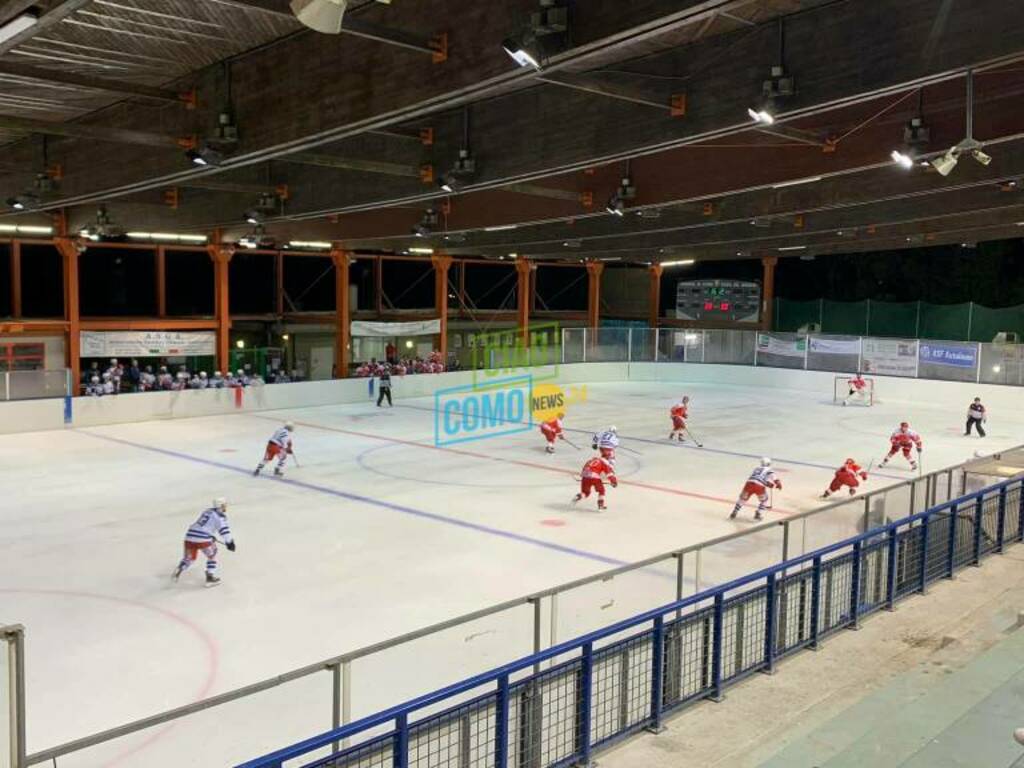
{"x":289,"y":426}
{"x":239,"y":372}
{"x":218,"y":374}
{"x":613,"y":429}
{"x":95,"y":379}
{"x":766,"y":462}
{"x":202,"y":374}
{"x":220,"y":503}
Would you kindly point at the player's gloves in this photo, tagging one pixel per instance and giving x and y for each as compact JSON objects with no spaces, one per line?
{"x":594,"y":446}
{"x":919,"y":449}
{"x":614,"y":482}
{"x":863,"y":475}
{"x":561,"y":436}
{"x":231,"y":546}
{"x":778,"y":484}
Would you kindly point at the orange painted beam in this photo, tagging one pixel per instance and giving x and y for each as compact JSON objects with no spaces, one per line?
{"x":69,"y":252}
{"x":148,"y":324}
{"x":221,"y":256}
{"x":594,"y":270}
{"x":36,"y":327}
{"x":16,"y":279}
{"x":767,"y":290}
{"x":342,"y":312}
{"x":654,"y":295}
{"x":161,"y":281}
{"x":442,"y":263}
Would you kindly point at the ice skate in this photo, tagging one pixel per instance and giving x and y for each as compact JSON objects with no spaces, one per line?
{"x":550,"y":449}
{"x":211,"y":580}
{"x":853,"y":491}
{"x":759,"y":515}
{"x":913,"y":465}
{"x":256,"y":471}
{"x":601,"y":506}
{"x":576,"y":498}
{"x":177,"y":572}
{"x":278,"y":472}
{"x":826,"y":494}
{"x":682,"y":439}
{"x":733,"y":514}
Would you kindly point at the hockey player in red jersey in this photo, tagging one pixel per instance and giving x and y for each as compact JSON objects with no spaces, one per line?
{"x":202,"y":536}
{"x":903,"y":439}
{"x":279,"y":446}
{"x":592,"y":479}
{"x":760,"y":481}
{"x":552,"y":430}
{"x":847,"y":475}
{"x":679,"y":413}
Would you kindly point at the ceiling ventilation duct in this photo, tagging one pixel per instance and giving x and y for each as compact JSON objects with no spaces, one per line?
{"x":322,"y":15}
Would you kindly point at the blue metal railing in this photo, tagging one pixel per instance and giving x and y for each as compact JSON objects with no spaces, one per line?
{"x":613,"y":685}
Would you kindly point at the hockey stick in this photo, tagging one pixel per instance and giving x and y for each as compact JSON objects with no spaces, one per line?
{"x":570,"y":442}
{"x":625,"y":448}
{"x":693,"y":437}
{"x":295,"y":458}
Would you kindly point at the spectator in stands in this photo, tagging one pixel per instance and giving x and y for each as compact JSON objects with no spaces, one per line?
{"x":218,"y":381}
{"x":108,"y":384}
{"x":133,"y":377}
{"x":147,"y":380}
{"x":391,"y":353}
{"x":94,"y":371}
{"x":198,"y":381}
{"x":164,"y":380}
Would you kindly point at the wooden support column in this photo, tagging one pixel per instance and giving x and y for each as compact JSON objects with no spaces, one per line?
{"x":524,"y":268}
{"x":221,"y":256}
{"x":441,"y":263}
{"x":161,"y":281}
{"x":279,"y":284}
{"x":16,"y":279}
{"x":767,"y":290}
{"x":594,"y":270}
{"x":654,"y":295}
{"x":69,"y":252}
{"x":342,"y":312}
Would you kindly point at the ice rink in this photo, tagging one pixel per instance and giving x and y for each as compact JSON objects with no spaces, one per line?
{"x":377,"y":532}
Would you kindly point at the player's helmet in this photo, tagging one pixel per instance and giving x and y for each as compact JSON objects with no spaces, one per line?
{"x":95,"y":379}
{"x":613,"y":429}
{"x":850,"y":461}
{"x":904,"y":425}
{"x":289,"y":426}
{"x":218,"y":374}
{"x":686,"y":398}
{"x":239,"y":372}
{"x":766,"y":462}
{"x":202,"y":374}
{"x":220,"y":503}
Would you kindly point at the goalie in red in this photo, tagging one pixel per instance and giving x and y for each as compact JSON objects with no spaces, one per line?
{"x":552,"y":430}
{"x":858,"y":388}
{"x":592,"y":479}
{"x":679,"y":413}
{"x":847,"y":475}
{"x":903,"y":439}
{"x":761,"y":479}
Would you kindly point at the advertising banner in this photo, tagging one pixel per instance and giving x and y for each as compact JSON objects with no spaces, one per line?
{"x":890,"y":357}
{"x":955,"y":355}
{"x":130,"y":344}
{"x":784,"y":347}
{"x":835,"y":346}
{"x":409,"y":328}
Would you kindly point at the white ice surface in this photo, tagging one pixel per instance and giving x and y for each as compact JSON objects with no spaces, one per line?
{"x":375,"y":534}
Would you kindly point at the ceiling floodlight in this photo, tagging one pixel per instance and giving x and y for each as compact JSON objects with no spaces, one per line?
{"x":945,"y":164}
{"x":516,"y":48}
{"x":321,"y":15}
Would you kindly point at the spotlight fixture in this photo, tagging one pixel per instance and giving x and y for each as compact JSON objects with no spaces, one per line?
{"x":546,"y":32}
{"x":464,"y":166}
{"x":102,"y":228}
{"x":981,"y":156}
{"x":321,"y":15}
{"x":256,"y":238}
{"x":916,"y":136}
{"x":761,"y":116}
{"x":22,"y":202}
{"x":205,"y":155}
{"x":449,"y":183}
{"x":426,"y":224}
{"x":945,"y":164}
{"x":680,"y":263}
{"x":626,"y":191}
{"x":902,"y":159}
{"x":266,"y":204}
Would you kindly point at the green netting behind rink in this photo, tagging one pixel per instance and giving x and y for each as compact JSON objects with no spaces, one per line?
{"x":906,"y":320}
{"x":891,"y":318}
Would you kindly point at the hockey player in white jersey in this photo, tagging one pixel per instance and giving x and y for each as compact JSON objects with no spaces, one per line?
{"x":760,"y":481}
{"x":606,"y":441}
{"x":202,"y":536}
{"x":279,"y":446}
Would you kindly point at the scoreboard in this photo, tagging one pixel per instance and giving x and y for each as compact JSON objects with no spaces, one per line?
{"x":736,"y":300}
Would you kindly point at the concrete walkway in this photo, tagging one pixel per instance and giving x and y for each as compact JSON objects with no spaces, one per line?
{"x":939,"y":683}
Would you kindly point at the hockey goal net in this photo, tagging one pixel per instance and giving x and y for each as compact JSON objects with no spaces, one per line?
{"x":841,"y":392}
